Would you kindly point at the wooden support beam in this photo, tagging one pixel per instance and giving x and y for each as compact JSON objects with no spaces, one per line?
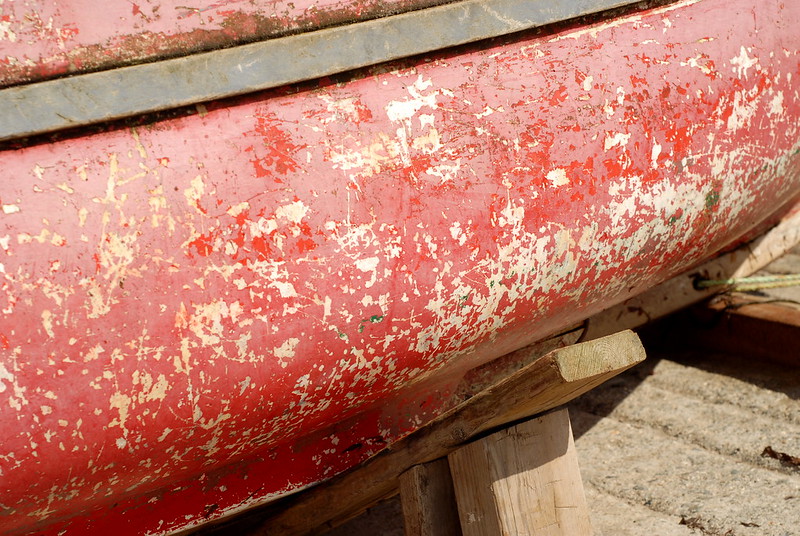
{"x":548,"y":382}
{"x":522,"y":480}
{"x":745,"y":325}
{"x":429,"y":501}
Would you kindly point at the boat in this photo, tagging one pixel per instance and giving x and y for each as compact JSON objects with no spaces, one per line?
{"x":245,"y":246}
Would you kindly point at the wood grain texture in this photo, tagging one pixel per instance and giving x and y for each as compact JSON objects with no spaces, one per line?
{"x":428,"y":499}
{"x":523,"y":480}
{"x":548,"y":382}
{"x":579,"y":368}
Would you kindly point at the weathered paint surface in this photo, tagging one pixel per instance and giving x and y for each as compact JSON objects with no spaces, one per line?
{"x":219,"y":309}
{"x":40,"y":39}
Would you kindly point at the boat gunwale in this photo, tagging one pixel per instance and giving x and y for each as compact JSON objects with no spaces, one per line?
{"x":98,"y":97}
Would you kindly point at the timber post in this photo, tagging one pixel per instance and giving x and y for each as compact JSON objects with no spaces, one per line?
{"x":544,"y":384}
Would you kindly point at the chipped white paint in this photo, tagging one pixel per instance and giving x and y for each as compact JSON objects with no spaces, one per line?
{"x":406,"y":109}
{"x":6,"y":31}
{"x":698,"y":62}
{"x":286,"y":351}
{"x":285,"y":288}
{"x":743,"y":62}
{"x":5,"y":376}
{"x":654,"y":154}
{"x":776,"y":106}
{"x":558,"y":177}
{"x":618,"y":139}
{"x":235,"y":210}
{"x":744,"y":109}
{"x":47,"y":323}
{"x":294,"y":212}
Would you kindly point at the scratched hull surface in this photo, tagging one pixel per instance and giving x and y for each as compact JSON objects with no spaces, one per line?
{"x":219,"y":309}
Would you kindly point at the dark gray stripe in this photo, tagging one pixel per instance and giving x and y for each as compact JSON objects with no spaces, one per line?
{"x":102,"y":96}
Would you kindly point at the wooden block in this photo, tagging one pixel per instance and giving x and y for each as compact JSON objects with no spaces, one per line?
{"x":546,"y":383}
{"x":428,"y":499}
{"x":523,"y":480}
{"x":563,"y":375}
{"x":745,"y":326}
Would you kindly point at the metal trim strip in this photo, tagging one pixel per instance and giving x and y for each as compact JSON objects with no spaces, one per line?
{"x":128,"y":91}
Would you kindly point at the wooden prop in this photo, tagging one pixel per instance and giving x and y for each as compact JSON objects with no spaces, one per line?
{"x":429,"y":501}
{"x":548,"y":382}
{"x":748,"y":326}
{"x":521,"y":480}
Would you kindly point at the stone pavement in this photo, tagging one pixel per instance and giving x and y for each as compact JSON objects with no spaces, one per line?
{"x":675,"y":447}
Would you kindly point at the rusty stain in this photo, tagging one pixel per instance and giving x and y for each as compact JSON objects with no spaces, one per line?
{"x":233,"y":305}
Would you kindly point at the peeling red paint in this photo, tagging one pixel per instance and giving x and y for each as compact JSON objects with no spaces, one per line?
{"x":203,"y":245}
{"x":219,"y":309}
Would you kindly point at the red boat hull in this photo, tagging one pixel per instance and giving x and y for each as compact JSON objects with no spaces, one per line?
{"x":218,"y":309}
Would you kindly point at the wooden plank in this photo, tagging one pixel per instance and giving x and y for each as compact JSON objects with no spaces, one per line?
{"x":679,"y":292}
{"x":548,"y":382}
{"x":428,"y":499}
{"x":522,"y":480}
{"x":745,"y":325}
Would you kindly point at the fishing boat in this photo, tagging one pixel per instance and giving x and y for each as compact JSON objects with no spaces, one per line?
{"x":244,"y":246}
